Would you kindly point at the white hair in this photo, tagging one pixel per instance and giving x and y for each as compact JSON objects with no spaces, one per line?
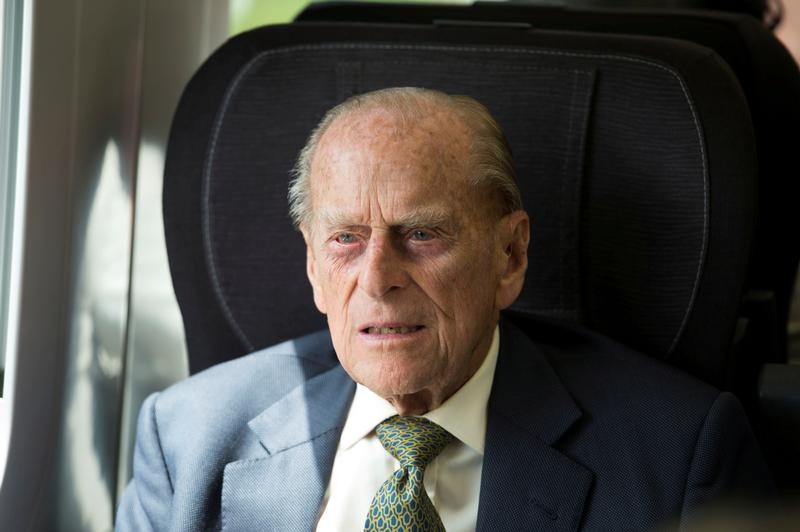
{"x":491,"y":158}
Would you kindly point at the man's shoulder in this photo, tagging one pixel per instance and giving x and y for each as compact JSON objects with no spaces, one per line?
{"x":576,"y":350}
{"x":188,"y":433}
{"x":602,"y":374}
{"x":242,"y":387}
{"x":643,"y":430}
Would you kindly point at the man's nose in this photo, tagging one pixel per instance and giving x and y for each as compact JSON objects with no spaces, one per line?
{"x":384,"y":268}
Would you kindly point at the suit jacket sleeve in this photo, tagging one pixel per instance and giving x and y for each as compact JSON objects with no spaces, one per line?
{"x":146,"y":501}
{"x":727,"y":463}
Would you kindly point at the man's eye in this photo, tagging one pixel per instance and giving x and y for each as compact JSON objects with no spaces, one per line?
{"x":419,"y":234}
{"x":345,"y":238}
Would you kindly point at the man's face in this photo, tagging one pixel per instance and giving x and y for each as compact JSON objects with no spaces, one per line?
{"x":406,"y":258}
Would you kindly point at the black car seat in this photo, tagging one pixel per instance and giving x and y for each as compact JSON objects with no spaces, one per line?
{"x":642,"y":211}
{"x":769,"y":78}
{"x":757,"y":368}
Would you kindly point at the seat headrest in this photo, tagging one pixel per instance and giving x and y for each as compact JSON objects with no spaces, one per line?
{"x":622,"y":150}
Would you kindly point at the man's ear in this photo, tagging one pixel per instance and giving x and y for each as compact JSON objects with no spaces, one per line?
{"x":514,"y":233}
{"x":311,"y":272}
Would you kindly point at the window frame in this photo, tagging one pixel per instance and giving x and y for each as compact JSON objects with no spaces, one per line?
{"x":15,"y":79}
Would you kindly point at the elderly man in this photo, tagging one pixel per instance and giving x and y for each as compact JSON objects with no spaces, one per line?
{"x":420,"y":407}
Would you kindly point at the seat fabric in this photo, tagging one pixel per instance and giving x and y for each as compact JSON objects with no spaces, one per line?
{"x":635,"y":156}
{"x":767,"y":72}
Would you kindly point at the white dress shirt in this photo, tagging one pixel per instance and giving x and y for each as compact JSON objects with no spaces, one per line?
{"x":452,"y":480}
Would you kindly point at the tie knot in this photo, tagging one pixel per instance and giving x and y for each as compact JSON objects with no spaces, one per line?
{"x":414,"y":441}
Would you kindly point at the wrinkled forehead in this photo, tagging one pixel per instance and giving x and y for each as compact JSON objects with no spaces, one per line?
{"x":423,"y":125}
{"x":413,"y":160}
{"x":370,"y":143}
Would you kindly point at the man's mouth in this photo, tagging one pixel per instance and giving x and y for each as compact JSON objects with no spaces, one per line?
{"x":392,"y":330}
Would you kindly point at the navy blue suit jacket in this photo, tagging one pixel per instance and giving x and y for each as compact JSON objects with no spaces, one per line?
{"x":581,"y":434}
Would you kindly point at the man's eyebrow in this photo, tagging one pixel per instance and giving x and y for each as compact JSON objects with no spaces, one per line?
{"x":424,"y":217}
{"x":417,"y":217}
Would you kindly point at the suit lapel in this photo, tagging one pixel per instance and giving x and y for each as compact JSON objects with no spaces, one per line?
{"x":280,"y":487}
{"x":526,"y":483}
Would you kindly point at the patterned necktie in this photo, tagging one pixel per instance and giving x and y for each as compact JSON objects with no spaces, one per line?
{"x":401,"y":502}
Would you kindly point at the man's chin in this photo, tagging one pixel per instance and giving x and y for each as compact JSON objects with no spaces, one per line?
{"x":394,"y":386}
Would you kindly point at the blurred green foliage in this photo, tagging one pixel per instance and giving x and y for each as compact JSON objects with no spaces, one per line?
{"x":248,"y":14}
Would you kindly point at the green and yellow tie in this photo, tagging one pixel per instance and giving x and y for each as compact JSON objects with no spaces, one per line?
{"x":401,"y":503}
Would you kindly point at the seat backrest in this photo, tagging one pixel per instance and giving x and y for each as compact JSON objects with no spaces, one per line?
{"x":769,"y":77}
{"x":635,"y":155}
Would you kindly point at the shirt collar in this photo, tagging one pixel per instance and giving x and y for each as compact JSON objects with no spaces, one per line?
{"x":463,"y":414}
